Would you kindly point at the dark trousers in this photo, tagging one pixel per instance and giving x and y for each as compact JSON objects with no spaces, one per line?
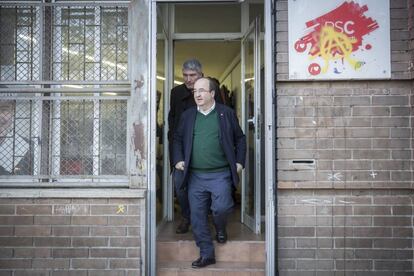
{"x":204,"y":188}
{"x":181,"y":191}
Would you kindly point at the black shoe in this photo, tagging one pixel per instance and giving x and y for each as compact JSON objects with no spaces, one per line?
{"x":221,"y":236}
{"x":183,"y":227}
{"x":202,"y":262}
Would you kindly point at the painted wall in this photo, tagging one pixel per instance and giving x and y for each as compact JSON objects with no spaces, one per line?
{"x":352,"y":210}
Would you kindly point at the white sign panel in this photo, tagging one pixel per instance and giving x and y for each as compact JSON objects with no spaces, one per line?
{"x":339,"y":39}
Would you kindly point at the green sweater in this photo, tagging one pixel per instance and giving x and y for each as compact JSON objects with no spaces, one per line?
{"x":207,"y":154}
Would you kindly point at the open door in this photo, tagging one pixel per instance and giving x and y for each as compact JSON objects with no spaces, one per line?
{"x":163,"y":186}
{"x":252,"y":122}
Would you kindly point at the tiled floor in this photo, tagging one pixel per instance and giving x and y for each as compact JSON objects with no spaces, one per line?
{"x":235,"y":229}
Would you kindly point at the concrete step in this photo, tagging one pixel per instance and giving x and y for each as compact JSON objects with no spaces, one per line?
{"x":219,"y":269}
{"x":232,"y":251}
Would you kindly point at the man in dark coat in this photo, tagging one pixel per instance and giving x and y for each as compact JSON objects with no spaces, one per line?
{"x":210,"y":149}
{"x":180,"y":100}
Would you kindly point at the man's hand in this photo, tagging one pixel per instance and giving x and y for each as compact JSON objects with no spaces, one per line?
{"x":180,"y":165}
{"x":239,"y":167}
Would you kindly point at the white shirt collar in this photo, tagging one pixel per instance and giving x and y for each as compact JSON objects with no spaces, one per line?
{"x":205,"y":113}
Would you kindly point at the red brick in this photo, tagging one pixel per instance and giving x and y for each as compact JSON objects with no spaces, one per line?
{"x":90,"y":242}
{"x":71,"y":209}
{"x":16,"y":220}
{"x":393,"y":243}
{"x":31,"y":272}
{"x":15,"y":241}
{"x":372,"y":232}
{"x":32,"y":231}
{"x":108,"y":253}
{"x":134,"y":253}
{"x":70,"y":230}
{"x":108,"y":231}
{"x":89,"y":220}
{"x":134,"y":231}
{"x":51,"y":263}
{"x":32,"y":252}
{"x":124,"y":242}
{"x":52,"y":220}
{"x":406,"y":232}
{"x":89,"y":263}
{"x":76,"y":272}
{"x":6,"y":253}
{"x":124,"y":263}
{"x":15,"y":263}
{"x":108,"y":273}
{"x":7,"y":209}
{"x":134,"y":210}
{"x":135,"y":272}
{"x":6,"y":231}
{"x":33,"y":209}
{"x":70,"y":253}
{"x":107,"y":209}
{"x":392,"y":221}
{"x":124,"y":220}
{"x":52,"y":241}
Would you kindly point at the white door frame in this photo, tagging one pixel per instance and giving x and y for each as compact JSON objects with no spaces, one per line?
{"x":269,"y":134}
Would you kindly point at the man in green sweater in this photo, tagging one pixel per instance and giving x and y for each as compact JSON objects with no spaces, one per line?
{"x":210,"y":149}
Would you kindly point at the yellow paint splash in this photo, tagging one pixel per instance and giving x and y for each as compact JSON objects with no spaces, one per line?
{"x":335,"y":45}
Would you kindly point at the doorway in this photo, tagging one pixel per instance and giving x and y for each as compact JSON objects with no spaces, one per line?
{"x":228,"y":52}
{"x":229,"y":45}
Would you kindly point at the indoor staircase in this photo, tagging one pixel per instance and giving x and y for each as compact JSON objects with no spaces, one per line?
{"x":234,"y":258}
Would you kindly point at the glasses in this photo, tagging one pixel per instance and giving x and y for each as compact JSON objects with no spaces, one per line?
{"x":200,"y":91}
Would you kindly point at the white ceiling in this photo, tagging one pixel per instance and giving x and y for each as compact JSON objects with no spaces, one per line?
{"x":214,"y":56}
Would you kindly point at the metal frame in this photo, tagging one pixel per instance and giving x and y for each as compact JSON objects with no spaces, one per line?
{"x":270,"y":144}
{"x":55,"y":88}
{"x":268,"y":131}
{"x":252,"y":222}
{"x":151,"y":262}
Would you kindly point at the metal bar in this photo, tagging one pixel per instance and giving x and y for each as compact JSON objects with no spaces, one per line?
{"x":58,"y":176}
{"x":70,"y":98}
{"x":258,"y":126}
{"x":73,"y":193}
{"x":64,"y":90}
{"x":199,"y":1}
{"x":62,"y":184}
{"x":207,"y":36}
{"x":120,"y":3}
{"x":151,"y":137}
{"x":78,"y":83}
{"x":170,"y":79}
{"x":115,"y":82}
{"x":270,"y":143}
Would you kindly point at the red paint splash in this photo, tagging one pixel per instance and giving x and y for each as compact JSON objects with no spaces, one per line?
{"x":348,"y":19}
{"x":314,"y":69}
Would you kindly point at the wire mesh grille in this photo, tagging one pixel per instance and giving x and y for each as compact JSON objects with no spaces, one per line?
{"x":90,"y":43}
{"x":63,"y":137}
{"x":54,"y":134}
{"x":19,"y":43}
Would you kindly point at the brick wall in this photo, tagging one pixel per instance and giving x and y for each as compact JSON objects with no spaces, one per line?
{"x":411,"y":30}
{"x":350,"y":212}
{"x":70,"y":237}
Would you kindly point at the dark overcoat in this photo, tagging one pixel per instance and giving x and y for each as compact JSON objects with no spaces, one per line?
{"x":231,"y":137}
